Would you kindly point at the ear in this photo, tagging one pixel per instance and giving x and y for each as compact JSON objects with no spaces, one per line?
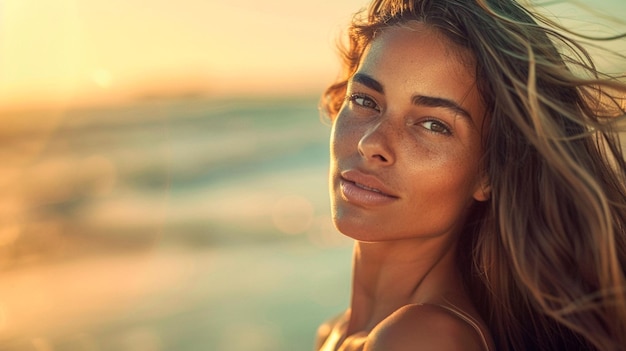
{"x":483,"y":189}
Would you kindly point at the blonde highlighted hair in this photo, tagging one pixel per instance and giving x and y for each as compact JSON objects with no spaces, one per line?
{"x":545,"y":257}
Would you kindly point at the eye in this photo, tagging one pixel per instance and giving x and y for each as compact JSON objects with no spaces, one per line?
{"x":364,"y":101}
{"x":436,"y":127}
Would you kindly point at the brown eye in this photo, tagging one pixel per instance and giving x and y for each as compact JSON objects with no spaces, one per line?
{"x":364,"y":101}
{"x":436,"y":127}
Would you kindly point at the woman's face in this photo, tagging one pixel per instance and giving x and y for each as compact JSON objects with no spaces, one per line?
{"x":406,"y":144}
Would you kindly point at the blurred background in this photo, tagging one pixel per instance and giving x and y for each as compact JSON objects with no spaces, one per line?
{"x":163,"y":175}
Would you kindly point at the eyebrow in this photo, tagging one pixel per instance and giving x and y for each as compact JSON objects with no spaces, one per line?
{"x":430,"y":101}
{"x":368,"y":82}
{"x":419,"y":100}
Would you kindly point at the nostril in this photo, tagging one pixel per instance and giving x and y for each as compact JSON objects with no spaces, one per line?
{"x":374,"y":146}
{"x":380,"y":157}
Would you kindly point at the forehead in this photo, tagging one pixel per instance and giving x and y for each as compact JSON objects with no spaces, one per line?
{"x":416,"y":42}
{"x":419,"y":60}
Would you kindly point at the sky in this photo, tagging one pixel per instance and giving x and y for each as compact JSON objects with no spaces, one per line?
{"x":67,"y":49}
{"x":64,"y":51}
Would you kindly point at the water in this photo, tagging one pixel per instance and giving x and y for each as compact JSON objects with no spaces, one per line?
{"x":168,"y":225}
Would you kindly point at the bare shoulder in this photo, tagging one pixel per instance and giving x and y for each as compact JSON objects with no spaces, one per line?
{"x":324,"y":330}
{"x":423,"y":327}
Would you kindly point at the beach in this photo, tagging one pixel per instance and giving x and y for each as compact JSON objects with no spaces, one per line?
{"x":178,"y":224}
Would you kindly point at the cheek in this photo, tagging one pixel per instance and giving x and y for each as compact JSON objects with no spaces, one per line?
{"x":441,"y":195}
{"x":334,"y":142}
{"x":342,"y":137}
{"x":444,"y":173}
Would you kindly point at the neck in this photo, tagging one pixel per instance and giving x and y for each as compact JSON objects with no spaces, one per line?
{"x":389,"y":275}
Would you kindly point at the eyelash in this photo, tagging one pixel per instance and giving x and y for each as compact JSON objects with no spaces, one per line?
{"x":446,"y":130}
{"x":354,"y":97}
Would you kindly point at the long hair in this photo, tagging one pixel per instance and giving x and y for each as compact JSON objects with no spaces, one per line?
{"x":547,"y":252}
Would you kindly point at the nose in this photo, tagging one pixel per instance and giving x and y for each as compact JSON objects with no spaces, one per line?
{"x":375,"y":144}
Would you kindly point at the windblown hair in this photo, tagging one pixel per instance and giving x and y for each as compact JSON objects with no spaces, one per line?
{"x":547,"y":253}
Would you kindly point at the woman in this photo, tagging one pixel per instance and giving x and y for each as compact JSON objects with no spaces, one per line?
{"x":479,"y":171}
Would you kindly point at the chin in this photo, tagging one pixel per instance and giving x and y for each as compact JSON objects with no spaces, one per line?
{"x":357,"y":223}
{"x":355,"y":228}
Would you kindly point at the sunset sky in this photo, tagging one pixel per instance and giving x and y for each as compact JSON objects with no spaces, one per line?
{"x":63,"y":51}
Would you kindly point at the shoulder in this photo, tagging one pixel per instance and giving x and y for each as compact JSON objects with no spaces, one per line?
{"x":423,"y":327}
{"x":325,"y":329}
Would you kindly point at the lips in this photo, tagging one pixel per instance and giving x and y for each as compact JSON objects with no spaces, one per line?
{"x":363,"y":186}
{"x":364,"y":189}
{"x":366,"y":182}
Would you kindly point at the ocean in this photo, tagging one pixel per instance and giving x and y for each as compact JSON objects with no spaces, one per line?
{"x":179,"y":224}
